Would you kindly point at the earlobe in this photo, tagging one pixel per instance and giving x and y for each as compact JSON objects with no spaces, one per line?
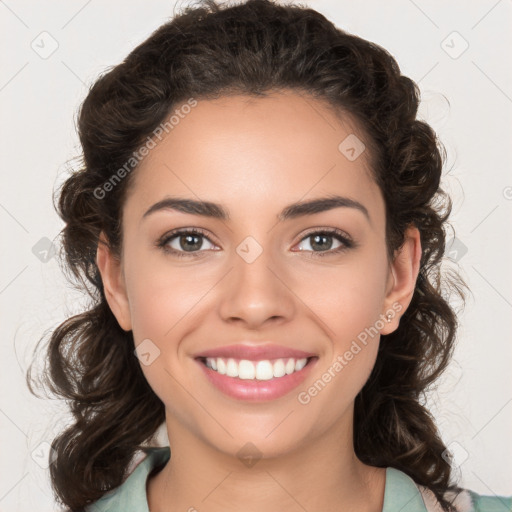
{"x":404,"y":270}
{"x":112,"y":277}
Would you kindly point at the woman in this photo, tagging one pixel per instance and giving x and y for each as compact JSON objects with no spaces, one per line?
{"x":220,"y":158}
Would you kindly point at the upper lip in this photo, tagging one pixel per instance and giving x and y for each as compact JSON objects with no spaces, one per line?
{"x":255,"y":352}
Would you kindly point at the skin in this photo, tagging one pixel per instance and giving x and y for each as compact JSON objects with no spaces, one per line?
{"x":255,"y":156}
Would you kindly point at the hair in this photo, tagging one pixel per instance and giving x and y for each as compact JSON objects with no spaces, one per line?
{"x":255,"y":47}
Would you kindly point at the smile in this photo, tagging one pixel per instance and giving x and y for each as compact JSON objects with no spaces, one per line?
{"x":259,"y":370}
{"x":261,"y":380}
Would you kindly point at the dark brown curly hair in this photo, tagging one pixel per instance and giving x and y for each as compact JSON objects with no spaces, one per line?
{"x":207,"y":51}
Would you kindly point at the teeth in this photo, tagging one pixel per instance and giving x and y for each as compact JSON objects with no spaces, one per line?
{"x":246,"y":370}
{"x":259,"y":370}
{"x":231,"y":368}
{"x":300,"y":364}
{"x":264,"y":370}
{"x":221,"y":365}
{"x":279,"y":369}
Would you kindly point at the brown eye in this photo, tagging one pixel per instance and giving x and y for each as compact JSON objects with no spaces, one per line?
{"x":322,"y":241}
{"x":185,"y":243}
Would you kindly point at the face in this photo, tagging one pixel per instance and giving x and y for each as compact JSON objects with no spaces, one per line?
{"x":317,"y":282}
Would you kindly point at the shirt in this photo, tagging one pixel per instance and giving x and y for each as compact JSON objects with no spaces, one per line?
{"x":401,"y":492}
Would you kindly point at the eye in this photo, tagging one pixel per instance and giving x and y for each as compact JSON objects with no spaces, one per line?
{"x":322,"y":239}
{"x":189,"y":242}
{"x":184,"y":242}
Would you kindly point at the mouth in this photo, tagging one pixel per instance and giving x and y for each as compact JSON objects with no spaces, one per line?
{"x":265,"y":369}
{"x":256,"y":380}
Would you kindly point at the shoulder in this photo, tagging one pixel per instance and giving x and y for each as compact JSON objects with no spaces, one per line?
{"x":467,"y":501}
{"x":403,"y":493}
{"x":484,"y":503}
{"x":131,"y":494}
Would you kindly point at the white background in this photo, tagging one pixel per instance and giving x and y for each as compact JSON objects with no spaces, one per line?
{"x":468,"y":101}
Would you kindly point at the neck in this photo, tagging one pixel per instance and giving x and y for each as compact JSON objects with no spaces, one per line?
{"x":313,"y":477}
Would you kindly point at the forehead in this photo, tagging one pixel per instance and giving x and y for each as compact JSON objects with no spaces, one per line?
{"x":256,"y":154}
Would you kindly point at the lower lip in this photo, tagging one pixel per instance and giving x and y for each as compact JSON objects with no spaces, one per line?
{"x":257,"y":390}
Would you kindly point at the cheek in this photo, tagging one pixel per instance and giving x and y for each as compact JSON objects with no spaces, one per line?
{"x":161,"y":305}
{"x":351,"y":299}
{"x":160,"y":296}
{"x":350,"y":308}
{"x":350,"y":313}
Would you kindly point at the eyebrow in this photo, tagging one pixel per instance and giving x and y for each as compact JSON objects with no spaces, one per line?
{"x":292,"y":211}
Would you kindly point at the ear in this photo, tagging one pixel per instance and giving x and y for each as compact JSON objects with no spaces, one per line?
{"x":402,"y":279}
{"x":113,"y":283}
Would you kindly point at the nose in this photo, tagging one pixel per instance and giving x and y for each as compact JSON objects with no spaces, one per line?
{"x":256,"y":292}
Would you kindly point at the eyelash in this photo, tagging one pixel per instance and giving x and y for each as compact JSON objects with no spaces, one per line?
{"x":335,"y":233}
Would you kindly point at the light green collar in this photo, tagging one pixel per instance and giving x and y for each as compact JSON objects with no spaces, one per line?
{"x":401,"y":493}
